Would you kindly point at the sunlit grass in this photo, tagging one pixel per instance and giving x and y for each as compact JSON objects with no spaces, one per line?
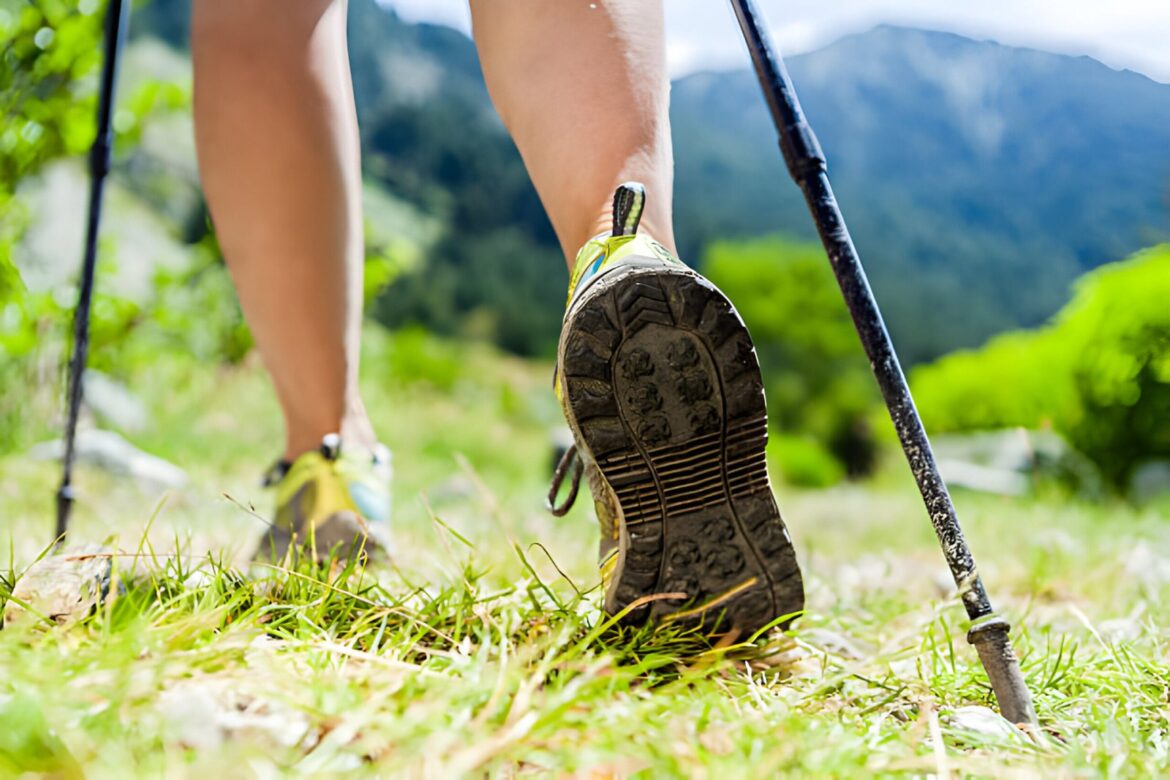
{"x":483,"y":649}
{"x":191,"y":664}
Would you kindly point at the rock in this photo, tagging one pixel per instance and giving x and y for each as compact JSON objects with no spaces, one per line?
{"x":1124,"y":629}
{"x":143,"y":241}
{"x":1013,"y":449}
{"x":114,"y":403}
{"x":835,"y":644}
{"x":190,"y":714}
{"x":1141,"y":564}
{"x":944,"y":583}
{"x":863,"y":574}
{"x":63,"y":588}
{"x":109,"y":451}
{"x":972,"y":476}
{"x":203,"y":713}
{"x":987,"y":725}
{"x":199,"y":578}
{"x":454,"y":488}
{"x":1006,"y":462}
{"x":1150,"y":481}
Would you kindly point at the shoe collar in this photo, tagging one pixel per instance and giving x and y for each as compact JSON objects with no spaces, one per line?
{"x":597,"y":253}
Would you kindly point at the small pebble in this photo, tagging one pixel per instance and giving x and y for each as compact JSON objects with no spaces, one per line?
{"x":984,"y":723}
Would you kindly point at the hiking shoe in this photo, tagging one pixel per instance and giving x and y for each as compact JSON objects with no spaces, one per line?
{"x":330,"y":504}
{"x":660,"y":385}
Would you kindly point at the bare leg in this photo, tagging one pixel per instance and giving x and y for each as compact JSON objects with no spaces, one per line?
{"x":582,"y":87}
{"x":277,"y":138}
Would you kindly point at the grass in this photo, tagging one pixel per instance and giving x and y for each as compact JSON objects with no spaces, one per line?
{"x":484,"y":651}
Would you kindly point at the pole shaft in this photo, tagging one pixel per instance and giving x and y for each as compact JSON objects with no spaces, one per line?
{"x":807,"y":165}
{"x":895,"y":391}
{"x":117,"y":14}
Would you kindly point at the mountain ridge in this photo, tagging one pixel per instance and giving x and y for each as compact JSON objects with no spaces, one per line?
{"x":979,"y":180}
{"x":943,"y":146}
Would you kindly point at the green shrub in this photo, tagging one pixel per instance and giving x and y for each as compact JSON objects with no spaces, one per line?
{"x":1018,"y":379}
{"x":1099,"y":373}
{"x":1119,"y":322}
{"x":412,"y":355}
{"x":816,"y":376}
{"x":805,"y":463}
{"x":47,"y":104}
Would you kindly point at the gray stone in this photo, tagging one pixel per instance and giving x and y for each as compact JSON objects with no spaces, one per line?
{"x":114,"y":403}
{"x":63,"y":588}
{"x":1007,"y":462}
{"x":1150,"y":481}
{"x":1014,"y":449}
{"x":835,"y":644}
{"x":987,"y":479}
{"x":109,"y":451}
{"x":1145,"y":565}
{"x":986,"y":724}
{"x":203,"y":713}
{"x":140,"y":241}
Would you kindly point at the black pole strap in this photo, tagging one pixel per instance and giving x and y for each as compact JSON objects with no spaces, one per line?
{"x":806,"y":163}
{"x":117,"y":15}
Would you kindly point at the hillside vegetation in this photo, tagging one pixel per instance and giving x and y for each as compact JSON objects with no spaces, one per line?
{"x":979,"y":180}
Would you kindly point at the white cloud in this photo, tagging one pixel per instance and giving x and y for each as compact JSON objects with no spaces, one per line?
{"x":1121,"y":33}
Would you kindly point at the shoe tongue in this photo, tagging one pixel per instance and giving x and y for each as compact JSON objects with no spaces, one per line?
{"x":628,"y":202}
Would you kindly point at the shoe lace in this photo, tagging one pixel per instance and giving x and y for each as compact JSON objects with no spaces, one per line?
{"x":571,"y":458}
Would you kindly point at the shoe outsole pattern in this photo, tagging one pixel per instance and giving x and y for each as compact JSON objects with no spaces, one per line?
{"x":665,"y":391}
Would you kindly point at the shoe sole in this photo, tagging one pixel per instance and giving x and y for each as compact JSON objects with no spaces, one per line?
{"x":338,"y":537}
{"x":665,"y":391}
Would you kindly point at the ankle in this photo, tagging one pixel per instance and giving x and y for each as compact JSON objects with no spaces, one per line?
{"x":654,"y":223}
{"x":355,"y":429}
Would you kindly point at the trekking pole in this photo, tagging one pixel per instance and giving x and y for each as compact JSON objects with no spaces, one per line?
{"x":117,"y":15}
{"x":806,"y":163}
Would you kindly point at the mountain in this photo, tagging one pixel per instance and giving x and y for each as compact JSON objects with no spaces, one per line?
{"x":978,"y":180}
{"x":431,"y":136}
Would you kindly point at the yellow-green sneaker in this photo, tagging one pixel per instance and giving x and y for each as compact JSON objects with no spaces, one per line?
{"x":330,"y":503}
{"x":660,"y":385}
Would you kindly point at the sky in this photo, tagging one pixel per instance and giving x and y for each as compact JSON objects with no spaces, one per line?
{"x":702,"y":34}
